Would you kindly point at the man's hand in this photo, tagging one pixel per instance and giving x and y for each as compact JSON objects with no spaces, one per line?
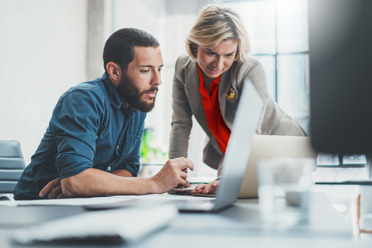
{"x":172,"y":174}
{"x":206,"y":188}
{"x":53,"y":190}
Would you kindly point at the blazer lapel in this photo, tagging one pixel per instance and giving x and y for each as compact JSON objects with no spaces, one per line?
{"x":228,"y":96}
{"x":192,"y":84}
{"x":223,"y":86}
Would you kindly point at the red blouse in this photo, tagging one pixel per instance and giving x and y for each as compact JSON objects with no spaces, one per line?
{"x":212,"y":111}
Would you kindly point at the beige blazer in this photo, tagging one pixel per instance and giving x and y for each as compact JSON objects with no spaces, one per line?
{"x":187,"y":102}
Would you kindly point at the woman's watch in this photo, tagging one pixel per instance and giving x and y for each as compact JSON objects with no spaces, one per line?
{"x":218,"y":178}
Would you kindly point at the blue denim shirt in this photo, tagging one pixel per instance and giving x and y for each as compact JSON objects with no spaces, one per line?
{"x":90,"y":128}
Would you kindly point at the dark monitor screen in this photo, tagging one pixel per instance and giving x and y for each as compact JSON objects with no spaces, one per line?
{"x":340,"y":53}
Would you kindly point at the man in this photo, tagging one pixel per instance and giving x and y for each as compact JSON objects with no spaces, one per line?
{"x":92,"y":144}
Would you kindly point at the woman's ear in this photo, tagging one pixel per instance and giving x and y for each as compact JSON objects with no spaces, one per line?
{"x":194,"y":49}
{"x":114,"y":72}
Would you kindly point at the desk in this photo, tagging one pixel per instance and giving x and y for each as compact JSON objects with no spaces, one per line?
{"x":238,"y":226}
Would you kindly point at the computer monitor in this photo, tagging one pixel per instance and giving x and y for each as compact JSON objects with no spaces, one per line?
{"x":340,"y":53}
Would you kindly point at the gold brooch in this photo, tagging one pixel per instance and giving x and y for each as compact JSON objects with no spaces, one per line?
{"x":230,"y":94}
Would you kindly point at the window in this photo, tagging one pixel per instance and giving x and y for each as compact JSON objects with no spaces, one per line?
{"x":278,"y":37}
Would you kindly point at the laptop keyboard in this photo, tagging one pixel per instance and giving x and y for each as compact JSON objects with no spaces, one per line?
{"x":342,"y":168}
{"x":341,"y":160}
{"x":187,"y":191}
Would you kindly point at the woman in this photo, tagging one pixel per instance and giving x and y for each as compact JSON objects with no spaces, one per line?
{"x":207,"y":84}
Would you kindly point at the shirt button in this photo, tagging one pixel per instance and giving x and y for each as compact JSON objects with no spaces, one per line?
{"x":109,"y":168}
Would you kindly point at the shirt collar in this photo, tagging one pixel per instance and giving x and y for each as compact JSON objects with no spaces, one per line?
{"x":114,"y":95}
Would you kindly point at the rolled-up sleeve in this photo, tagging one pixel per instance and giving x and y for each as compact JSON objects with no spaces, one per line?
{"x":75,"y":122}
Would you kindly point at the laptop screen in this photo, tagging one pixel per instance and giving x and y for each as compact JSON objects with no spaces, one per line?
{"x":239,"y":146}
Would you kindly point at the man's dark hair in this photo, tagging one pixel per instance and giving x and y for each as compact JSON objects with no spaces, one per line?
{"x":119,"y":46}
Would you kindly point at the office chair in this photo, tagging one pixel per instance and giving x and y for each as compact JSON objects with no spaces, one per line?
{"x":12,"y":165}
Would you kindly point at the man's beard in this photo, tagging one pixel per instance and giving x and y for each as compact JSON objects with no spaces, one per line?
{"x":132,"y":94}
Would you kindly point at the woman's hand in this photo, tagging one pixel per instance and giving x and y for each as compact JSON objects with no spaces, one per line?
{"x":209,"y":188}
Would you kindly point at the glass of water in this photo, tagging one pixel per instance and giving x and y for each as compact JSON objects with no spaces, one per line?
{"x":284,"y":190}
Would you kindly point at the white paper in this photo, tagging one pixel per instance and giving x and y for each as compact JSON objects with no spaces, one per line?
{"x":101,"y":200}
{"x":65,"y":202}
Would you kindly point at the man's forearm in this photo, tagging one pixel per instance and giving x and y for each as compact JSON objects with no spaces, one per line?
{"x":122,"y":173}
{"x":94,"y":182}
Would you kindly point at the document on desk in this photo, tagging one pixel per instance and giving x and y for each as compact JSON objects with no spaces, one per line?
{"x":107,"y":201}
{"x":67,"y":201}
{"x":113,"y":226}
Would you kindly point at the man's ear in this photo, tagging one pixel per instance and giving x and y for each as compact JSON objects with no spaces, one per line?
{"x":114,"y":72}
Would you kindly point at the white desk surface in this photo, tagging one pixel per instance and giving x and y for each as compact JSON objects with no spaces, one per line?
{"x":238,"y":226}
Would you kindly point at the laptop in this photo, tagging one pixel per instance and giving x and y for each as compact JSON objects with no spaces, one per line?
{"x":236,"y":156}
{"x":272,"y":146}
{"x":266,"y":147}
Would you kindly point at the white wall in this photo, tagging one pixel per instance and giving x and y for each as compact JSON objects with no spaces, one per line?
{"x":148,"y":15}
{"x":42,"y":53}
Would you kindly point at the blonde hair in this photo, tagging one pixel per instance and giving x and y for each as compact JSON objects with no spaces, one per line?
{"x":215,"y":24}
